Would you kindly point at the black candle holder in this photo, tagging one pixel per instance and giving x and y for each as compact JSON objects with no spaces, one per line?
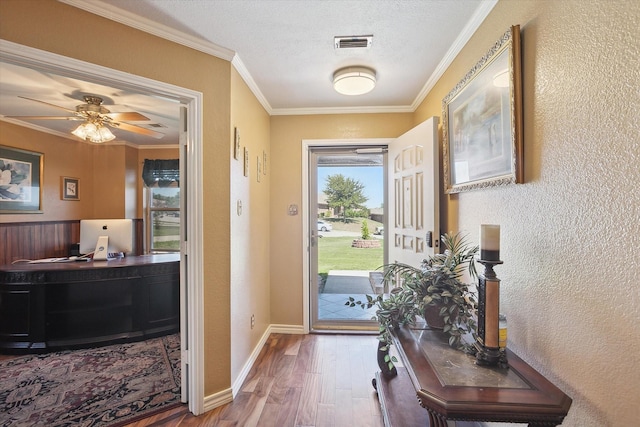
{"x":489,"y":355}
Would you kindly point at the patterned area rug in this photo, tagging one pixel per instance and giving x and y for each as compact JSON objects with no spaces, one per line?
{"x":94,"y":387}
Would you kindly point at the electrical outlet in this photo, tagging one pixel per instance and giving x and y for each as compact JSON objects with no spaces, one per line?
{"x":253,"y":320}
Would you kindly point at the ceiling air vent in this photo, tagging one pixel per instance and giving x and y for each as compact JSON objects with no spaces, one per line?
{"x":350,"y":42}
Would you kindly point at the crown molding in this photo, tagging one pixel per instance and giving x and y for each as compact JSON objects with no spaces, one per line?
{"x":106,"y":10}
{"x":465,"y":35}
{"x":248,"y":79}
{"x":342,"y":110}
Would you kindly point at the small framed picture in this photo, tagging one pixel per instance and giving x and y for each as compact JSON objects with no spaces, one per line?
{"x":264,"y":162}
{"x":236,"y":143}
{"x":259,"y":168}
{"x":246,"y":161}
{"x":70,"y":188}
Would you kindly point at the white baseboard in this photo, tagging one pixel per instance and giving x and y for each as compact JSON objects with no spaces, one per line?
{"x":217,"y":399}
{"x":223,"y":397}
{"x":286,"y":329}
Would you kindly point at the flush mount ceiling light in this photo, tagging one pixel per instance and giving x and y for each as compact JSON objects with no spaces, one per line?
{"x":354,"y":80}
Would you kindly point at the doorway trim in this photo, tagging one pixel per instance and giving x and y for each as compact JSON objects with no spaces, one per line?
{"x":191,"y":251}
{"x":307,"y":145}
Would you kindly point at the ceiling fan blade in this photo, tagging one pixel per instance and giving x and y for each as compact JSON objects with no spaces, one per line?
{"x":130,"y":116}
{"x":49,"y":104}
{"x":137,"y":129}
{"x":45,"y":117}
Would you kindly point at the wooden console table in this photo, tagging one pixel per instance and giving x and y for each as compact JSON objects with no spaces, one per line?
{"x":51,"y":306}
{"x":439,"y":383}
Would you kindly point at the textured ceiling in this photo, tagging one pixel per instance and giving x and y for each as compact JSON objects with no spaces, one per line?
{"x":283,"y":49}
{"x":287,"y":46}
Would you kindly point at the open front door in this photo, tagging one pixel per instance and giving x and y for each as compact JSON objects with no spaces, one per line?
{"x":413,"y":195}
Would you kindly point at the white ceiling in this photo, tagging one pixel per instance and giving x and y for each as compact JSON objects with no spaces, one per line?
{"x":283,"y":49}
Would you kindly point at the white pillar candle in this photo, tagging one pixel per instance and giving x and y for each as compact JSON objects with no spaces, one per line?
{"x":490,"y":242}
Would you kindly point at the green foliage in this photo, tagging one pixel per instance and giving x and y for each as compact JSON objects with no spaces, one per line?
{"x":344,"y":193}
{"x":357,"y":213}
{"x":164,"y":201}
{"x":437,"y":281}
{"x":366,"y":235}
{"x":336,"y":253}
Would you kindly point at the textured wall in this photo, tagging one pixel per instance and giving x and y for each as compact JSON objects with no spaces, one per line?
{"x":249,"y":287}
{"x":571,"y":233}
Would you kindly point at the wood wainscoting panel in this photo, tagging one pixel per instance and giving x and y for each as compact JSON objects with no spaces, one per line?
{"x":47,"y":239}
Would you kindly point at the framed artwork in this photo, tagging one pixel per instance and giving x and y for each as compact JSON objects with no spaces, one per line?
{"x":259,"y":168}
{"x":264,"y":162}
{"x":21,"y":174}
{"x":246,"y":161}
{"x":482,"y":121}
{"x":70,"y":188}
{"x":236,"y":143}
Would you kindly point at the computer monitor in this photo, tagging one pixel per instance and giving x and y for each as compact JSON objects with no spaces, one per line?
{"x":106,"y":237}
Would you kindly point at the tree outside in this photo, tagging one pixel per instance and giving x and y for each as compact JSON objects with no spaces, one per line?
{"x":346,"y":195}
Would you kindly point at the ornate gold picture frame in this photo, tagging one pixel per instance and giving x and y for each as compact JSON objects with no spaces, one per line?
{"x":482,"y":121}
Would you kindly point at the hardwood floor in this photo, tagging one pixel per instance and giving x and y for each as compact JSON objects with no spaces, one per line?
{"x":298,"y":380}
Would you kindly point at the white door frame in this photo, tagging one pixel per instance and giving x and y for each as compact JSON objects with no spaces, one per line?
{"x":307,"y":144}
{"x":191,"y":250}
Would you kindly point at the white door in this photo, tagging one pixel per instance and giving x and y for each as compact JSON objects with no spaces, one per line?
{"x":184,"y":307}
{"x":413,"y":195}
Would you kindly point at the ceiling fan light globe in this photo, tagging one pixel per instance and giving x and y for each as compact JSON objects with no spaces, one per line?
{"x":103,"y":134}
{"x":354,"y":80}
{"x":84,"y":130}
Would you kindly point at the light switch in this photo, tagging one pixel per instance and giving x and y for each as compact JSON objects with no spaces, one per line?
{"x":239,"y":207}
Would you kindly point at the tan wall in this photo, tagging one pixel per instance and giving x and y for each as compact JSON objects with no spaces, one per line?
{"x":109,"y":171}
{"x":61,"y":157}
{"x":287,"y":133}
{"x":54,"y":26}
{"x":250,"y":230}
{"x":570,"y":233}
{"x":109,"y":175}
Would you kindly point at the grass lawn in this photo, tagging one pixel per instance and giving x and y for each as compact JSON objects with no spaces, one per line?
{"x":336,"y":253}
{"x":166,"y":230}
{"x":170,"y":244}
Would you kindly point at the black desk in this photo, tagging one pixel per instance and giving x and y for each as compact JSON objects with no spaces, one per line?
{"x":51,"y":306}
{"x":450,"y":386}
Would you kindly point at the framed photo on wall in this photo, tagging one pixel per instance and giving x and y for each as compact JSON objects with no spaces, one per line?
{"x":258,"y":168}
{"x":236,"y":143}
{"x":70,"y":188}
{"x":21,"y":173}
{"x":482,"y":121}
{"x":246,"y":161}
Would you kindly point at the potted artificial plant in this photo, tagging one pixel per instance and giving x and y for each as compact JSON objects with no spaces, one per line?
{"x":434,"y":285}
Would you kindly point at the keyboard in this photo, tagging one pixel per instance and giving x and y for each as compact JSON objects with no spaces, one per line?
{"x":50,"y":260}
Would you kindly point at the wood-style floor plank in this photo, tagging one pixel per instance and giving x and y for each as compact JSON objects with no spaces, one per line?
{"x":297,"y":381}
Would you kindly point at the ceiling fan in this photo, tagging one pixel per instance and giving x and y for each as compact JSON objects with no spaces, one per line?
{"x":96,"y":118}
